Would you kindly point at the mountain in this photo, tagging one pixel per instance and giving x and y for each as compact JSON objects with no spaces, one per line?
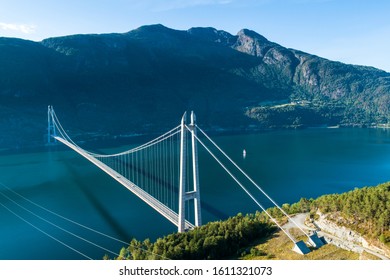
{"x":143,"y":80}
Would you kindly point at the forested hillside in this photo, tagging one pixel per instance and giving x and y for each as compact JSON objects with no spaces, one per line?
{"x":215,"y":240}
{"x":365,"y":210}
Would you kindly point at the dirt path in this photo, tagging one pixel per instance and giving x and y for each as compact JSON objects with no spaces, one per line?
{"x":299,"y":220}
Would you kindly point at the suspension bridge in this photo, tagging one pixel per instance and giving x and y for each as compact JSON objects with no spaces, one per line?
{"x":164,"y":174}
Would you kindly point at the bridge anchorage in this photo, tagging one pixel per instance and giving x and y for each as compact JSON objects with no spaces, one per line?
{"x":164,"y":174}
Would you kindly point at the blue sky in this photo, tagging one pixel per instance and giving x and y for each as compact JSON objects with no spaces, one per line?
{"x":351,"y":31}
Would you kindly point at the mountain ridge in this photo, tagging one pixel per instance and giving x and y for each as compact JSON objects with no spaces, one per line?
{"x":150,"y":75}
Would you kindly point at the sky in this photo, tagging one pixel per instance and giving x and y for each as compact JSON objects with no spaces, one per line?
{"x":350,"y":31}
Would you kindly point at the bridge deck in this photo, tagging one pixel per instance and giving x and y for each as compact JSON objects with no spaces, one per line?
{"x":168,"y":213}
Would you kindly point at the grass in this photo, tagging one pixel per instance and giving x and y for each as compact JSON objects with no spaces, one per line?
{"x":368,"y":256}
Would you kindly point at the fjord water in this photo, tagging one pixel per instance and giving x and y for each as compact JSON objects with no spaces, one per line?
{"x":287,"y":164}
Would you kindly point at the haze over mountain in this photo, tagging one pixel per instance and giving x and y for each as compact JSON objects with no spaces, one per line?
{"x":142,"y":82}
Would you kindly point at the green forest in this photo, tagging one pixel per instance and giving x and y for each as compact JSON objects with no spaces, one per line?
{"x":366,"y":210}
{"x":215,"y":240}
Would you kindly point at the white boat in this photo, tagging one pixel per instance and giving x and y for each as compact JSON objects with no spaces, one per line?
{"x":244,"y":153}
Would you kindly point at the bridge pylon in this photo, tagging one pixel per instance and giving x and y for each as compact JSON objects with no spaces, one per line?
{"x":186,"y":195}
{"x":51,"y":128}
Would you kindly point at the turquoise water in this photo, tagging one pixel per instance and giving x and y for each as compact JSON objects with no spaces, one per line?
{"x":288,"y":165}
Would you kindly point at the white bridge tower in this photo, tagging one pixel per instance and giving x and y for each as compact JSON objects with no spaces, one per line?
{"x":51,"y":128}
{"x":192,"y":194}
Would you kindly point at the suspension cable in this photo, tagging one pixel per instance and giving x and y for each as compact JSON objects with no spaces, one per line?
{"x":242,"y":186}
{"x":253,"y":182}
{"x":143,"y":146}
{"x":62,"y":217}
{"x":157,"y":140}
{"x":57,"y":226}
{"x":78,"y":224}
{"x":45,"y":233}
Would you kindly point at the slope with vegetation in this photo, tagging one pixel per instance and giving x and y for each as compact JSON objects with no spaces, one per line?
{"x":364,"y":210}
{"x":215,"y":240}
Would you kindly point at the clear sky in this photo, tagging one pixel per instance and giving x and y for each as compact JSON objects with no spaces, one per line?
{"x":351,"y":31}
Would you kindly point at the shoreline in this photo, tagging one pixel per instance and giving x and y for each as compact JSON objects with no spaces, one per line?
{"x":106,"y":142}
